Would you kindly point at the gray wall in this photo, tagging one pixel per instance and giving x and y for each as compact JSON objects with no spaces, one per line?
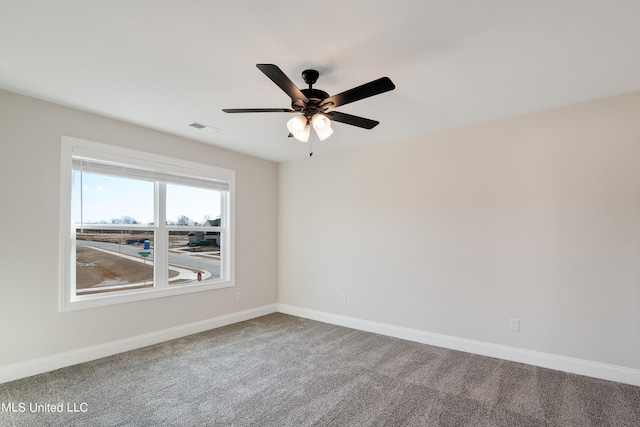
{"x":30,"y":132}
{"x":535,"y":217}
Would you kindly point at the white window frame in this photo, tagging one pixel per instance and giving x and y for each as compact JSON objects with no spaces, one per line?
{"x":162,"y":165}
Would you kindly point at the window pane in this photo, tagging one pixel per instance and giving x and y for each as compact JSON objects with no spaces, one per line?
{"x":104,"y":199}
{"x":189,"y":206}
{"x":194,"y":255}
{"x":118,"y":199}
{"x":110,"y":260}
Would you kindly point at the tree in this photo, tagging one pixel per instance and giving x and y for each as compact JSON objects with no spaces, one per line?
{"x":184,"y":220}
{"x":125,"y":219}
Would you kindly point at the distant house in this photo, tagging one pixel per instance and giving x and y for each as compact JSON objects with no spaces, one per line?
{"x":206,"y":238}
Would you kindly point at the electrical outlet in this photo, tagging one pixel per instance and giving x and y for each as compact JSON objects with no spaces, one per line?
{"x":514,"y":325}
{"x":343,"y":299}
{"x":239,"y":296}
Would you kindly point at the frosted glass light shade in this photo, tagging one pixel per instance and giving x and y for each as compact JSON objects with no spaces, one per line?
{"x":297,"y":123}
{"x":322,"y":125}
{"x":299,"y":128}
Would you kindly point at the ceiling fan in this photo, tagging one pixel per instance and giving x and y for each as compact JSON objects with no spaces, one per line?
{"x":312,"y":104}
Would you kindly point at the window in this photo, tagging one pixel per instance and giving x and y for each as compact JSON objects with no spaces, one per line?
{"x":137,"y":226}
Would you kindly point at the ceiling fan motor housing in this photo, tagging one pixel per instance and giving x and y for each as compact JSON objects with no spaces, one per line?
{"x":315,"y":97}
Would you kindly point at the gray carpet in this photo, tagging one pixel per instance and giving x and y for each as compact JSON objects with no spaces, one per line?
{"x":281,"y":370}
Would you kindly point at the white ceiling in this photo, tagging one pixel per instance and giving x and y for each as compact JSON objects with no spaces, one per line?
{"x":165,"y":64}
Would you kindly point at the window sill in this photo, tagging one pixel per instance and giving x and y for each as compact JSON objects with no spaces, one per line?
{"x":111,"y":298}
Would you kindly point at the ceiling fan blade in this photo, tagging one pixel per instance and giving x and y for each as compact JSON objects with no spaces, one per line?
{"x":349,"y":119}
{"x":376,"y":87}
{"x":258,"y":110}
{"x":279,"y":78}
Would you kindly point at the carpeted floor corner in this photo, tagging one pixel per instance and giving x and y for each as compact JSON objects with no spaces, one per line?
{"x":281,"y":370}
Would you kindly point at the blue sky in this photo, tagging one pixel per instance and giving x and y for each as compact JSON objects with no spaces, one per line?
{"x":106,"y":197}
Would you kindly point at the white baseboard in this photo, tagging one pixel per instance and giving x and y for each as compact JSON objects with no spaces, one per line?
{"x":567,"y":364}
{"x":561,"y":363}
{"x":49,"y":363}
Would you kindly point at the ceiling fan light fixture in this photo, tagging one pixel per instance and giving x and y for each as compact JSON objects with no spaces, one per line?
{"x":299,"y":128}
{"x":319,"y":121}
{"x":297,"y":124}
{"x":322,"y":125}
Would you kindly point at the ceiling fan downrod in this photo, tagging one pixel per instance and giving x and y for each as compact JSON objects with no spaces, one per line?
{"x":315,"y":97}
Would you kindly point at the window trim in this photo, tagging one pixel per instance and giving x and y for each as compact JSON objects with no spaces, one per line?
{"x":71,"y":146}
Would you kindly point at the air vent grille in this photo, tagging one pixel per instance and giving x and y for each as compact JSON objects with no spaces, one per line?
{"x":206,"y":128}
